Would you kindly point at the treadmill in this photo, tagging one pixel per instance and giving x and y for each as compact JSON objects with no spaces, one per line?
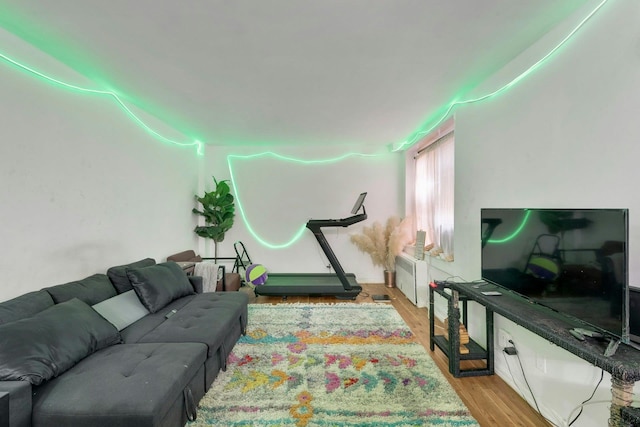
{"x":339,"y":284}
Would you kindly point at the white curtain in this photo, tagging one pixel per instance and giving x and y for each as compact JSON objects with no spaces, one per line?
{"x":434,"y":193}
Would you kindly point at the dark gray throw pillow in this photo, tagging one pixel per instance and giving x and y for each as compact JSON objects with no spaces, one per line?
{"x":118,"y":274}
{"x":159,"y":284}
{"x":42,"y":347}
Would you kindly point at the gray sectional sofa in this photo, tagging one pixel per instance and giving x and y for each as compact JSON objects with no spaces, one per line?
{"x":138,"y":346}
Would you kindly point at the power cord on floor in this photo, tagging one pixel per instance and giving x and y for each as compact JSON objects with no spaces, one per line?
{"x":590,"y":397}
{"x":515,"y":352}
{"x":593,"y":402}
{"x":512,"y":350}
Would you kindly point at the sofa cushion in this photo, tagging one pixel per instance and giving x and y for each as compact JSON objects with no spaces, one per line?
{"x":206,"y":318}
{"x":122,"y":310}
{"x":159,"y":284}
{"x":123,"y":385}
{"x":41,"y":347}
{"x":139,"y":329}
{"x":118,"y":274}
{"x":24,"y":306}
{"x":91,"y":290}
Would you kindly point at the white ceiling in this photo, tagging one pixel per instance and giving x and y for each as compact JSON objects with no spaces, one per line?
{"x":287,"y":71}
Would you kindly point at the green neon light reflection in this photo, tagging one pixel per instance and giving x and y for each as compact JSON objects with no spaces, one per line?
{"x":301,"y":229}
{"x":108,"y":93}
{"x":516,"y":231}
{"x":421,"y":133}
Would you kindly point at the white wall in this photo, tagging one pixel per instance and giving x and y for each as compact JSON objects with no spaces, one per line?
{"x":278,"y":197}
{"x":566,"y":136}
{"x":82,"y":188}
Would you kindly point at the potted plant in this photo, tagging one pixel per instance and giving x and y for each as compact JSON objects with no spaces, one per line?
{"x":383,"y":243}
{"x":218,"y":210}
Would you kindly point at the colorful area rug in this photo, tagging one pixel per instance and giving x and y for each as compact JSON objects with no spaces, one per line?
{"x":330,"y":365}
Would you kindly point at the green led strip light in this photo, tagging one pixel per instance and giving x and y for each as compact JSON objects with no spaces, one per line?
{"x":403,"y":146}
{"x":406,"y":144}
{"x":300,"y":231}
{"x":108,"y":93}
{"x":516,"y":231}
{"x":416,"y":136}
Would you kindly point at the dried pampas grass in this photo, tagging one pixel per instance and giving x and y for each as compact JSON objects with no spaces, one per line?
{"x":383,"y":243}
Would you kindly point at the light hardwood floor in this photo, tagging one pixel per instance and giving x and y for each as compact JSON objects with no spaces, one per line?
{"x":491,"y":401}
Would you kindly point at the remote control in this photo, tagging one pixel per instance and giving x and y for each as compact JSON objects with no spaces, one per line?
{"x":589,"y":333}
{"x":576,"y":334}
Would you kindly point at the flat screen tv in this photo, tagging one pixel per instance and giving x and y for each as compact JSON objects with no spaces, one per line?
{"x":573,"y":261}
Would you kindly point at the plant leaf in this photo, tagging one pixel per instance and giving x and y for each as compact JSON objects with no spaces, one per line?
{"x":218,"y":210}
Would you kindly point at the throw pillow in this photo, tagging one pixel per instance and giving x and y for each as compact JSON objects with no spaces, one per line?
{"x":118,"y":274}
{"x":159,"y":284}
{"x":42,"y":347}
{"x":122,"y":310}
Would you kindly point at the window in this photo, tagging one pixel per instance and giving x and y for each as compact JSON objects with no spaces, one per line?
{"x":430,"y":189}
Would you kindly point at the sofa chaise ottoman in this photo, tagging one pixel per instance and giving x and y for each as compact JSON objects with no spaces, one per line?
{"x":138,"y":346}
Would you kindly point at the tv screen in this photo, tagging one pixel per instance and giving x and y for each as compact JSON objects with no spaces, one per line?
{"x":573,"y":261}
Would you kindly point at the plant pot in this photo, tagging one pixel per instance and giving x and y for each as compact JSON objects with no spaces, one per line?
{"x":390,"y":279}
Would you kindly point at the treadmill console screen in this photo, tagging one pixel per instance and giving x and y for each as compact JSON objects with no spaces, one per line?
{"x":359,"y":203}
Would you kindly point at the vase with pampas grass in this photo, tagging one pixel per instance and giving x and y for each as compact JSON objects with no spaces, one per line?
{"x":383,"y":243}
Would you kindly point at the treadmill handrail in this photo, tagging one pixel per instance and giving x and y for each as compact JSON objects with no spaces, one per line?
{"x":344,"y":222}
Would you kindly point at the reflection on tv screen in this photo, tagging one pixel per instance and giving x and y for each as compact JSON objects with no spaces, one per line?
{"x":573,"y":261}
